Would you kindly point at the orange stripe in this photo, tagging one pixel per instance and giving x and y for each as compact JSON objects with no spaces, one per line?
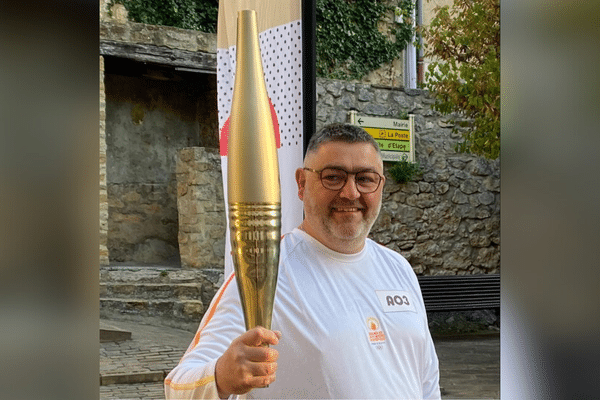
{"x":211,"y":311}
{"x":190,"y":386}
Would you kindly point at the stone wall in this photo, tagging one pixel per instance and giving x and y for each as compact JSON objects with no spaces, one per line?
{"x":448,"y":220}
{"x":147,"y":121}
{"x":147,"y":113}
{"x":201,"y":208}
{"x":166,"y":36}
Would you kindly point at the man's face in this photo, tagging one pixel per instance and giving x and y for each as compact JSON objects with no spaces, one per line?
{"x":340,"y":219}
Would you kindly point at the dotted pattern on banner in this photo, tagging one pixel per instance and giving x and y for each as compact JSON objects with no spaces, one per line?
{"x":281,"y":53}
{"x":225,"y":80}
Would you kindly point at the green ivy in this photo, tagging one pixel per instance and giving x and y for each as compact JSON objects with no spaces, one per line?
{"x":199,"y":15}
{"x":349,"y":44}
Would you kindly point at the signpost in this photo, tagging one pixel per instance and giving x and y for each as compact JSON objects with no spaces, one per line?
{"x":394,"y":136}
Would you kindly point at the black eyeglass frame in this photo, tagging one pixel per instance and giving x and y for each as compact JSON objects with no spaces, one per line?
{"x":381,"y":178}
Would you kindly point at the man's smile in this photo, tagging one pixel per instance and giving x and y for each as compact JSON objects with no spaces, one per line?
{"x":348,"y":209}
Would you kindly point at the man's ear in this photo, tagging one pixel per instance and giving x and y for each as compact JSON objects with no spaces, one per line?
{"x":301,"y":181}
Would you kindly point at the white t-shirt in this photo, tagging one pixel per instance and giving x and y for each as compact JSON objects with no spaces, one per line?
{"x":353,"y":325}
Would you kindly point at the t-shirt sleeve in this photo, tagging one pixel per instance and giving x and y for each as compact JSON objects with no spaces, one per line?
{"x":223,"y":321}
{"x":430,"y":363}
{"x":431,"y":372}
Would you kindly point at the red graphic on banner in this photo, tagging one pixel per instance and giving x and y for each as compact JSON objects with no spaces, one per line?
{"x":223,"y":144}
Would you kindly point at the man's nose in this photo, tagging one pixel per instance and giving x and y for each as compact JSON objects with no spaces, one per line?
{"x":349,"y":190}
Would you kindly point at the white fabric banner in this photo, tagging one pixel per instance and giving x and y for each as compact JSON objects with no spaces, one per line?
{"x":280,"y":37}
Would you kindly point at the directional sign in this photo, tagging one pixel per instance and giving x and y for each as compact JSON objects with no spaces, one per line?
{"x":394,"y":136}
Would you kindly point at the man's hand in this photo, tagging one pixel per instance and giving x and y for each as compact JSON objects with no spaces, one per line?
{"x":247,"y":363}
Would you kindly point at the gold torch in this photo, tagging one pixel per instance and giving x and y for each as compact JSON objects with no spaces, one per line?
{"x":253,"y":181}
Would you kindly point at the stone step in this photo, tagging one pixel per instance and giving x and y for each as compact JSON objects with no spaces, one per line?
{"x":155,"y":291}
{"x":167,"y":275}
{"x":155,"y":308}
{"x":159,"y":295}
{"x":132,"y":378}
{"x":111,"y":333}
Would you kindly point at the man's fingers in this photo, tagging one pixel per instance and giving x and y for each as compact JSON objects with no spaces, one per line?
{"x":248,"y":362}
{"x":261,"y":381}
{"x":256,"y":375}
{"x":263,"y":374}
{"x":263,"y":369}
{"x":259,"y":336}
{"x":261,"y":354}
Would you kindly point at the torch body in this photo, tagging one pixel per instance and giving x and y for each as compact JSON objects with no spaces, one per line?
{"x":253,"y":188}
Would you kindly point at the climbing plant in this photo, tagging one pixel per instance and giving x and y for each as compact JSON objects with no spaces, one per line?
{"x":200,"y":15}
{"x":349,"y":41}
{"x":354,"y":37}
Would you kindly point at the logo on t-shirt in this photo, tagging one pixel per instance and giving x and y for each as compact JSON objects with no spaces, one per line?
{"x":376,"y":334}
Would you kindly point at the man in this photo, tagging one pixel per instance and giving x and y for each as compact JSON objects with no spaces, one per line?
{"x":348,"y":317}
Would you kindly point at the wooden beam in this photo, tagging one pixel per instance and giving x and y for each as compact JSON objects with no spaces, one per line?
{"x":180,"y":59}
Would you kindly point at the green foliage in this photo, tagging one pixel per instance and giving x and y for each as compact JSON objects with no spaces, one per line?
{"x":349,"y":44}
{"x":402,"y":114}
{"x":466,"y":80}
{"x":199,"y":15}
{"x":404,"y":171}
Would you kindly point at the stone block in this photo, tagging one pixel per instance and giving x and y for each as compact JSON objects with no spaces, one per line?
{"x":399,"y":197}
{"x":410,"y":188}
{"x":424,"y":187}
{"x":427,"y":200}
{"x":335,"y":88}
{"x":482,"y":212}
{"x":481,"y":167}
{"x":188,"y":291}
{"x":473,"y":200}
{"x":492,"y":184}
{"x":365,"y":94}
{"x":322,"y":114}
{"x":382,"y":96}
{"x":479,"y":240}
{"x":441,"y":187}
{"x":327,"y":99}
{"x":206,"y":42}
{"x":488,"y":258}
{"x":459,"y":197}
{"x":469,"y":186}
{"x":376,"y":109}
{"x":193,"y":309}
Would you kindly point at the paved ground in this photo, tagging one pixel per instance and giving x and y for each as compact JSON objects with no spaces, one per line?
{"x":135,"y":368}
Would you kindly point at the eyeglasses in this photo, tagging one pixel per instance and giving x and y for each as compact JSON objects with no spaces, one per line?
{"x":335,"y":179}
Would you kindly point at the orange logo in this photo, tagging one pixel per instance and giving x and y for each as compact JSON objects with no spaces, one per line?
{"x":373,"y":323}
{"x":376,"y":335}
